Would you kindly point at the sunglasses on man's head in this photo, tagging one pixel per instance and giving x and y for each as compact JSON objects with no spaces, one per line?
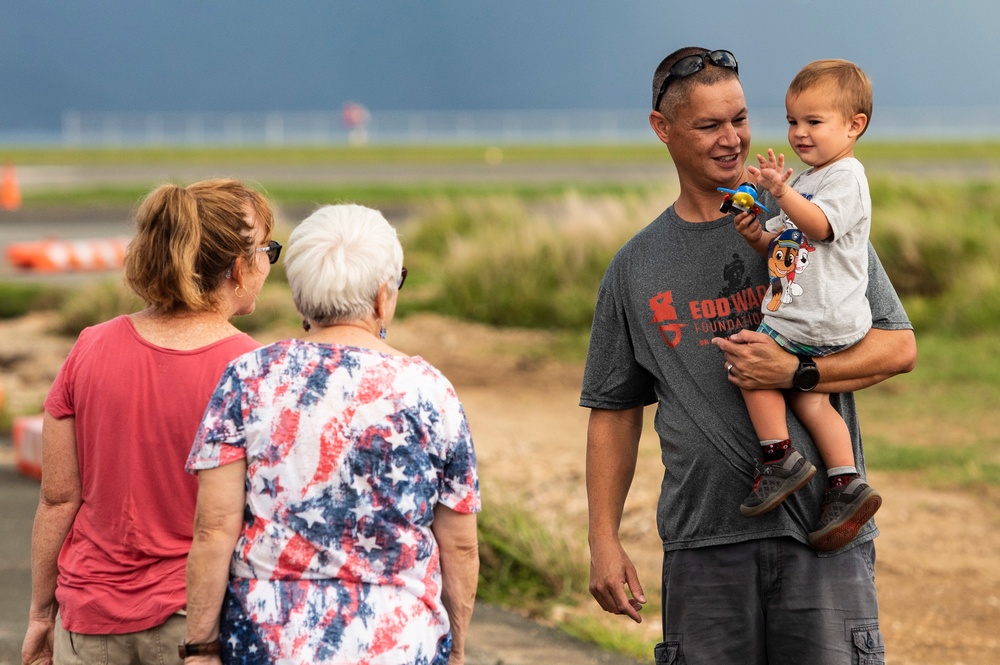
{"x":690,"y":64}
{"x":273,"y":250}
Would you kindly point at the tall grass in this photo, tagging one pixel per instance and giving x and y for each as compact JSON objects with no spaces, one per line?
{"x":938,"y":422}
{"x":505,"y":261}
{"x":940,"y":243}
{"x":525,"y":565}
{"x":105,"y":299}
{"x":500,"y":262}
{"x":19,"y":298}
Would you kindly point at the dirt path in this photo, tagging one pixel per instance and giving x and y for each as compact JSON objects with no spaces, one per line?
{"x":937,"y":570}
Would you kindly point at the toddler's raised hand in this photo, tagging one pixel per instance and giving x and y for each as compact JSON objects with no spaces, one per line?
{"x":772,"y":175}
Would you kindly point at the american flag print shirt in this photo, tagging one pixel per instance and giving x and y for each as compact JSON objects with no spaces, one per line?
{"x":348,"y":451}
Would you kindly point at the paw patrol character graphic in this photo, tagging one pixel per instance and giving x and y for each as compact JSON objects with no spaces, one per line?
{"x":801,"y":261}
{"x":782,"y":261}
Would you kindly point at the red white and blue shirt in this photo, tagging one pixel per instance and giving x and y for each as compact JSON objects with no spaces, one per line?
{"x":348,"y":451}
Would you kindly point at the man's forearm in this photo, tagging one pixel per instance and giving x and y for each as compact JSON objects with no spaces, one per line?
{"x":881,"y":355}
{"x":612,"y":451}
{"x":758,"y":363}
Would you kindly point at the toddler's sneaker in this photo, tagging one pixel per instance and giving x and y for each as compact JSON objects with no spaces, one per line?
{"x":845,"y":510}
{"x":775,"y":481}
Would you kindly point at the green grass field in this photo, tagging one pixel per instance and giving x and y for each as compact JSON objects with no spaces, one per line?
{"x":303,"y":155}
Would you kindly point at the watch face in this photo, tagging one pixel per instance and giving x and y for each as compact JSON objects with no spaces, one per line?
{"x":806,"y":377}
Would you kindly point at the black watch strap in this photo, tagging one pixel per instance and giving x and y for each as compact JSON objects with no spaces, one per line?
{"x":185,"y":649}
{"x":807,"y":375}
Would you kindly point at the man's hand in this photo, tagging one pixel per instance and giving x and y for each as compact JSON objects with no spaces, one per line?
{"x":611,"y":571}
{"x":772,"y":174}
{"x":758,"y":363}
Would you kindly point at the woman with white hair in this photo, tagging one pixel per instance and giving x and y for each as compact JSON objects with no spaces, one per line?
{"x":337,"y":479}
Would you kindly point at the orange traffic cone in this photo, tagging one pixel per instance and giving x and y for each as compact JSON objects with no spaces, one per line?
{"x":10,"y":192}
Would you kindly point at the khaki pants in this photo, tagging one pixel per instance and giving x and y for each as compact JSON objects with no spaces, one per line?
{"x":157,"y":645}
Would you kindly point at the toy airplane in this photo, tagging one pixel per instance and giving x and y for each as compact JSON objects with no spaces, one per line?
{"x":743,"y":199}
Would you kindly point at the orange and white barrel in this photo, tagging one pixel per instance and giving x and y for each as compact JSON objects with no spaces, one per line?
{"x":68,"y":255}
{"x":27,"y":432}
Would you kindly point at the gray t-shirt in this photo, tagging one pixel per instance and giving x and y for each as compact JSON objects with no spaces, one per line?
{"x":672,"y":288}
{"x":824,"y":304}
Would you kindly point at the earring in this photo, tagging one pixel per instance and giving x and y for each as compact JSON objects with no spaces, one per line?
{"x":237,"y":291}
{"x":381,"y":333}
{"x":306,"y":325}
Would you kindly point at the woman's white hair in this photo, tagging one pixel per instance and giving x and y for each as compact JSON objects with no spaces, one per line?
{"x":337,"y":259}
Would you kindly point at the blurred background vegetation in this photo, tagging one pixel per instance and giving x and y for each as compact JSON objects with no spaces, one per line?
{"x":521,"y":254}
{"x":505,"y":260}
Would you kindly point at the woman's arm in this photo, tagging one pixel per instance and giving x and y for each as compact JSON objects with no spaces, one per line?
{"x":459,"y":547}
{"x":217,"y":523}
{"x":59,"y":501}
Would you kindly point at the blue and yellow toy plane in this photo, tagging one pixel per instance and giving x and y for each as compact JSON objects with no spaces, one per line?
{"x":743,"y":199}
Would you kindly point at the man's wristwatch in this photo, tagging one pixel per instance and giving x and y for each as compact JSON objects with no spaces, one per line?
{"x":807,"y":375}
{"x":185,"y":649}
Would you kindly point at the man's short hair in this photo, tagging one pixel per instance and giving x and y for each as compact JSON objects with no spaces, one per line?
{"x":680,"y":88}
{"x":849,"y":85}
